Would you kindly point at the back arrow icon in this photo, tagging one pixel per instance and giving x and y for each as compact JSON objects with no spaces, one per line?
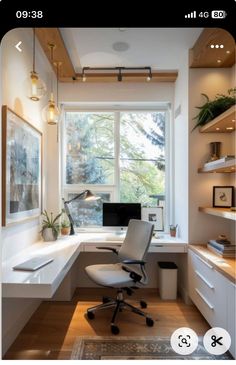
{"x":18,"y":46}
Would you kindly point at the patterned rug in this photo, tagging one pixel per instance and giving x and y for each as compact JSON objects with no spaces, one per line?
{"x":135,"y":348}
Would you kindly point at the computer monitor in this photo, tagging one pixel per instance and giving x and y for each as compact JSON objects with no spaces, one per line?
{"x":119,"y":214}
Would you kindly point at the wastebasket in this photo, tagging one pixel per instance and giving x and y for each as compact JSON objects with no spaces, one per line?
{"x":167,"y":272}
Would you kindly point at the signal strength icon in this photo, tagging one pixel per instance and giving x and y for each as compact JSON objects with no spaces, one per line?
{"x":193,"y":14}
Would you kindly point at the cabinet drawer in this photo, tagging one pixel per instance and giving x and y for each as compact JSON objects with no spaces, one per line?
{"x":205,"y":269}
{"x":93,"y":248}
{"x":207,"y":289}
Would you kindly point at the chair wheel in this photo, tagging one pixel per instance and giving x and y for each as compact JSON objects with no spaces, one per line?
{"x":143,"y":304}
{"x":149,"y":322}
{"x":90,"y":315}
{"x":114,"y":329}
{"x":105,"y":300}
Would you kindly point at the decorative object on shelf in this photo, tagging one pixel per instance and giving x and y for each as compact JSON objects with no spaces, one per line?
{"x":65,"y":223}
{"x":154,"y":215}
{"x":212,"y":109}
{"x":223,"y":196}
{"x":36,"y":88}
{"x":222,"y":247}
{"x":215,"y":151}
{"x":50,"y":226}
{"x":173,"y":230}
{"x":21,"y":168}
{"x":85,"y":195}
{"x":51,"y":113}
{"x":222,"y":159}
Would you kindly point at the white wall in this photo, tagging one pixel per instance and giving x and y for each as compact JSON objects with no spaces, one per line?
{"x":180,"y":150}
{"x":203,"y":227}
{"x":116,"y":92}
{"x":15,"y":69}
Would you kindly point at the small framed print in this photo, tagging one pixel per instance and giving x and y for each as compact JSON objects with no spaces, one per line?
{"x":154,"y":215}
{"x":223,"y":196}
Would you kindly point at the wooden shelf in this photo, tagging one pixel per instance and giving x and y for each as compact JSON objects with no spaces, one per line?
{"x":219,"y":212}
{"x":228,"y":166}
{"x":224,"y":123}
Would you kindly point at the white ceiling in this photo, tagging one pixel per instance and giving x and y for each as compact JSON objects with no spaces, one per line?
{"x":160,"y":48}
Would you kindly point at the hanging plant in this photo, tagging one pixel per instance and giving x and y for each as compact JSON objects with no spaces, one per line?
{"x":211,"y":109}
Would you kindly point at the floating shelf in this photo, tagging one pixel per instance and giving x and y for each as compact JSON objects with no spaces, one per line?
{"x":224,"y":123}
{"x":227,"y":166}
{"x":219,"y":212}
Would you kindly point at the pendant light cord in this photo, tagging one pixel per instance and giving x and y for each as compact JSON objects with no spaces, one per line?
{"x":51,"y":56}
{"x":33,"y":49}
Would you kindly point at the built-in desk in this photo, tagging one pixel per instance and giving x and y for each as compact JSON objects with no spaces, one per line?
{"x":44,"y":282}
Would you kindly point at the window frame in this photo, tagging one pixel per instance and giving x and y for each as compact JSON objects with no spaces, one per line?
{"x":114,"y":189}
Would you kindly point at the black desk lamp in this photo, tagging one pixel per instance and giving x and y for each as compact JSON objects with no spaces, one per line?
{"x":85,"y":195}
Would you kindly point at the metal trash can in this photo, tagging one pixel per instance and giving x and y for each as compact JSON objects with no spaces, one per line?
{"x":167,"y":272}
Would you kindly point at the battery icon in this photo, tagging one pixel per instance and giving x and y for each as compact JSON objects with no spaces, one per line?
{"x":218,"y":14}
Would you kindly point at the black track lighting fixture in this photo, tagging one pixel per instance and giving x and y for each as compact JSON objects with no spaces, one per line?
{"x":121,"y":72}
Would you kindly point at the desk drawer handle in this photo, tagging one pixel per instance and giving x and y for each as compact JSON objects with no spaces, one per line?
{"x":206,"y":263}
{"x":204,"y":299}
{"x":158,"y":245}
{"x":203,"y":279}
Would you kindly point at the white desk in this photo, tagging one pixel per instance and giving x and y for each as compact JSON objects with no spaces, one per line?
{"x":44,"y":282}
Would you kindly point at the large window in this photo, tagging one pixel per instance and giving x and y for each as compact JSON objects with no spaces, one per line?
{"x":120,"y":156}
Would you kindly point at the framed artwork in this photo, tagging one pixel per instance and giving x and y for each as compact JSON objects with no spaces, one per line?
{"x":223,"y":196}
{"x":154,"y":215}
{"x":21,"y":169}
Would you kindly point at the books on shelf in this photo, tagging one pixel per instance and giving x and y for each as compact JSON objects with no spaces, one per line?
{"x":219,"y":160}
{"x":222,"y":248}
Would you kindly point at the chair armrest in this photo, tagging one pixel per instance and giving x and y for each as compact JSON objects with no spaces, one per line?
{"x":130,"y":262}
{"x":108,"y":249}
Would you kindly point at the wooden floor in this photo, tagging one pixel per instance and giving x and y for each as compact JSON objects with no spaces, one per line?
{"x":52,"y":330}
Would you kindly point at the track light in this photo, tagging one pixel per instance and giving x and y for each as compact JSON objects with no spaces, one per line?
{"x":122,"y":72}
{"x":149,"y":77}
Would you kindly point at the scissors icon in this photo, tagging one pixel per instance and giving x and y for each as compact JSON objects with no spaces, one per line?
{"x":216,"y":340}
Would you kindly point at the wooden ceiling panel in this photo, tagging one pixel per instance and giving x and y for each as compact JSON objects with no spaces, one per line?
{"x":128,"y":77}
{"x":48,"y":36}
{"x":203,"y":55}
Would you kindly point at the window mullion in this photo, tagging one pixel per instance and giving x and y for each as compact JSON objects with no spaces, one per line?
{"x":117,"y":156}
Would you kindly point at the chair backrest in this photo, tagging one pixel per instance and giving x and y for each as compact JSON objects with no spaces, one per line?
{"x":137,"y":240}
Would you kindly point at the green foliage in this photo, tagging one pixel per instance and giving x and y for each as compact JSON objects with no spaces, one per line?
{"x":211,"y":109}
{"x":50,"y":222}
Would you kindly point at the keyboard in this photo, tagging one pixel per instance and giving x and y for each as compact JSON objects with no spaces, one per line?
{"x":33,"y":264}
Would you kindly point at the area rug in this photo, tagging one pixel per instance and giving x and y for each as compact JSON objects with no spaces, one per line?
{"x":135,"y":348}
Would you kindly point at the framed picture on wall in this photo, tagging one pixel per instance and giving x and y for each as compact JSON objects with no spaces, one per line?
{"x":154,"y":215}
{"x":21,"y":169}
{"x":223,"y":196}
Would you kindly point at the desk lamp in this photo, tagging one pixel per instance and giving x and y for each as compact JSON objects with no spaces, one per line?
{"x":85,"y":195}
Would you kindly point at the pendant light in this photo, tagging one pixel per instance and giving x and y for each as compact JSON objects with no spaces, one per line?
{"x":51,"y":113}
{"x":36,"y":88}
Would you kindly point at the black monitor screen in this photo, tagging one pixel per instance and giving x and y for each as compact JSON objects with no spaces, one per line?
{"x":119,"y":214}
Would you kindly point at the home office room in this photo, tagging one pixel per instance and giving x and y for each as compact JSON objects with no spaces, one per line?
{"x":118,"y":193}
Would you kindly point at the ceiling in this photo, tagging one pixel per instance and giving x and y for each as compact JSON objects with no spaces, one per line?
{"x":160,"y":48}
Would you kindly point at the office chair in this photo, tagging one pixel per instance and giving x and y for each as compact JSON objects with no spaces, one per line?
{"x":129,"y":273}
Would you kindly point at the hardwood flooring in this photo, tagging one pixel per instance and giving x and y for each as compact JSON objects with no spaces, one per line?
{"x":53,"y":328}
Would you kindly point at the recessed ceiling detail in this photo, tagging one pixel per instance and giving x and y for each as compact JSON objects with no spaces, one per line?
{"x":120,"y":46}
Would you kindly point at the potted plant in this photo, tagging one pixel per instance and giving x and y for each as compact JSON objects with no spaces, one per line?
{"x":50,"y":226}
{"x":65,"y":227}
{"x":211,"y":109}
{"x":173,"y":230}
